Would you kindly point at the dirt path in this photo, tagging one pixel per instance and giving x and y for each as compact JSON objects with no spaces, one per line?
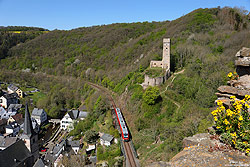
{"x":173,"y":101}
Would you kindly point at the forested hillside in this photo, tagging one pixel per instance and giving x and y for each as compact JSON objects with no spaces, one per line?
{"x":203,"y":43}
{"x":12,"y":35}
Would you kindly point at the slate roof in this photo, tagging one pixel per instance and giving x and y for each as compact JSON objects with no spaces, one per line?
{"x":14,"y":155}
{"x":2,"y":112}
{"x":75,"y":143}
{"x":57,"y":148}
{"x":10,"y":96}
{"x":75,"y":114}
{"x":37,"y":112}
{"x":83,"y":114}
{"x":107,"y":137}
{"x":13,"y":87}
{"x":6,"y":114}
{"x":15,"y":107}
{"x":6,"y":141}
{"x":39,"y":163}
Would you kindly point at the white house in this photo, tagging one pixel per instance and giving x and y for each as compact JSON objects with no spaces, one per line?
{"x":91,"y":147}
{"x":12,"y":129}
{"x":7,"y":99}
{"x":67,"y":123}
{"x":106,"y":139}
{"x":39,"y":115}
{"x":75,"y":145}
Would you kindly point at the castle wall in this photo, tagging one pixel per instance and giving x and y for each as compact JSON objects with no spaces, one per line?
{"x":149,"y":81}
{"x":155,"y":64}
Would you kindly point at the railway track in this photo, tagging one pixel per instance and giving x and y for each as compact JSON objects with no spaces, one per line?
{"x":129,"y":154}
{"x":128,"y":151}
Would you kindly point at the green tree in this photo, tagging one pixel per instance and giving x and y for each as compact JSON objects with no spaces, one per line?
{"x":151,"y":95}
{"x":91,"y":136}
{"x":101,"y":105}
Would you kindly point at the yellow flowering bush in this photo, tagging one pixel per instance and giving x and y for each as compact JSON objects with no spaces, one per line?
{"x":233,"y":124}
{"x":233,"y":76}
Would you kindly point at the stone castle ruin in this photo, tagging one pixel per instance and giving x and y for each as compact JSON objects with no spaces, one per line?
{"x":164,"y":64}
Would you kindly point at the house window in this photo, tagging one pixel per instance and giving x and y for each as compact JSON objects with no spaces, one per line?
{"x":1,"y":100}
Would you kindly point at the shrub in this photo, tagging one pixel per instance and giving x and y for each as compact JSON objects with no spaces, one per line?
{"x":151,"y":95}
{"x":233,"y":124}
{"x":233,"y":76}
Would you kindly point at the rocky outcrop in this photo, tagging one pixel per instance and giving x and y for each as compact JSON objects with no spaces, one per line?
{"x":240,"y":86}
{"x":230,"y":90}
{"x":205,"y":150}
{"x":243,"y":61}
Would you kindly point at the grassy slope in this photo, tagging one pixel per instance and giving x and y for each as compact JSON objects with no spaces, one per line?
{"x":203,"y":42}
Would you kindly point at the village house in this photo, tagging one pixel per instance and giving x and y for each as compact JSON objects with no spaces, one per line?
{"x":18,"y":118}
{"x":39,"y":115}
{"x":6,"y":114}
{"x":75,"y":145}
{"x":14,"y":89}
{"x":91,"y":148}
{"x":7,"y":99}
{"x":57,"y":150}
{"x":67,"y":123}
{"x":106,"y":139}
{"x":12,"y":129}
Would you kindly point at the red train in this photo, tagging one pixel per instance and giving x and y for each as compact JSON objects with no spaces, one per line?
{"x":122,"y":124}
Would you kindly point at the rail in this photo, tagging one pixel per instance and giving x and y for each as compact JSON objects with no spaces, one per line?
{"x":129,"y":153}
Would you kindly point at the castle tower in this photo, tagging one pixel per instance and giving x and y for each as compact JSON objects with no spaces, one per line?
{"x":29,"y":136}
{"x":166,"y":54}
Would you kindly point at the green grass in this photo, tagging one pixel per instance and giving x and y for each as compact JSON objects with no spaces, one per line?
{"x":37,"y":96}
